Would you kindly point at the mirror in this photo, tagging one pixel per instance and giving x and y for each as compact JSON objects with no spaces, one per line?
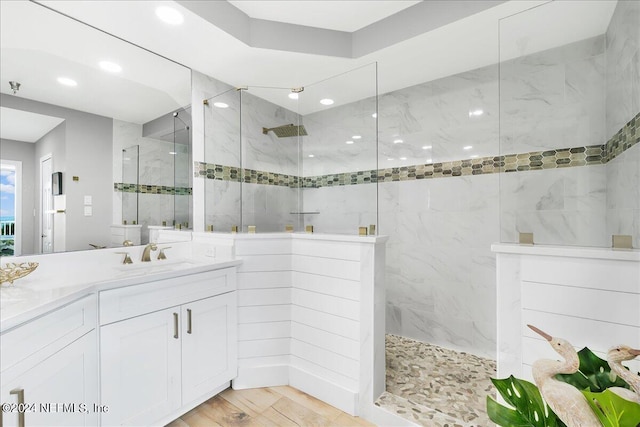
{"x":79,"y":102}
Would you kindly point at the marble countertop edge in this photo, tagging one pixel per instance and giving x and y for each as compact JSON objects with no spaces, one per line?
{"x":36,"y":303}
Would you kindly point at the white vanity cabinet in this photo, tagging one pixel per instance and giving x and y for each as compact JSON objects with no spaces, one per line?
{"x":50,"y":366}
{"x":166,"y":346}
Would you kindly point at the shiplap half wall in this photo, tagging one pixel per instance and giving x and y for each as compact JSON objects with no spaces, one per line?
{"x":588,"y":296}
{"x":311,"y":314}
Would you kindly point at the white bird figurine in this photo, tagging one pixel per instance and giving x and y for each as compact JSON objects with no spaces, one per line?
{"x":615,"y":357}
{"x":568,"y":403}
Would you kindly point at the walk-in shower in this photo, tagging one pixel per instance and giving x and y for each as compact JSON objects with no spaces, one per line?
{"x":324,"y":176}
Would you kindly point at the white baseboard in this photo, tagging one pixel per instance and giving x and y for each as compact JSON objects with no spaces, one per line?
{"x":261,"y":376}
{"x":320,"y":388}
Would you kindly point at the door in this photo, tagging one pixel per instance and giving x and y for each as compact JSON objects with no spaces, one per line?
{"x":209,"y":344}
{"x":68,"y":377}
{"x":46,"y":205}
{"x":140,"y":368}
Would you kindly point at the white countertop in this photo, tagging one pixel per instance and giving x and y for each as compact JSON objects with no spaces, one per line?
{"x":568,"y":251}
{"x":63,"y":278}
{"x":298,"y":235}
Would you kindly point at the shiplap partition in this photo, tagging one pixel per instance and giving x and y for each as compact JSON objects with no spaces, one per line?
{"x":588,"y":296}
{"x":311,"y":313}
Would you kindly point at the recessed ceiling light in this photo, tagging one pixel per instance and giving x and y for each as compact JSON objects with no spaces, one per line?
{"x":67,"y":81}
{"x":173,"y":153}
{"x":169,"y":15}
{"x":311,"y":155}
{"x":374,"y":115}
{"x":349,"y":142}
{"x":356,"y":137}
{"x":109,"y":66}
{"x":426,"y":147}
{"x":326,"y":101}
{"x":220,"y":105}
{"x":429,"y":160}
{"x":398,"y":141}
{"x":293,"y":95}
{"x":468,"y":147}
{"x":475,"y":156}
{"x":390,"y":158}
{"x":476,"y":113}
{"x":403,"y":158}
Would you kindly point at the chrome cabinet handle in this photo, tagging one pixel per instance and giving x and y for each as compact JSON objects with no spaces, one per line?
{"x":20,"y":393}
{"x":175,"y":325}
{"x":189,"y":329}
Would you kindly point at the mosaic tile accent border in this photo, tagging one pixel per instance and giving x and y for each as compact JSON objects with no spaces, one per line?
{"x":624,"y":139}
{"x":151,"y":189}
{"x":237,"y":174}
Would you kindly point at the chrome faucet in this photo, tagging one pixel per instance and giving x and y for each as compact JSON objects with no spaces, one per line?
{"x":146,"y":254}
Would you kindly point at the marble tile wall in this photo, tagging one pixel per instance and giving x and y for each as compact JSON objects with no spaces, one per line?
{"x":623,"y":103}
{"x":560,"y":206}
{"x":623,"y":195}
{"x":222,"y":204}
{"x":440,"y":269}
{"x":153,"y":199}
{"x":554,"y":98}
{"x":236,"y":149}
{"x":268,"y":207}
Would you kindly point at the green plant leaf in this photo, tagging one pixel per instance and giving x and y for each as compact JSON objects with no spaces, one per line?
{"x":594,"y":374}
{"x":504,"y":416}
{"x":613,"y":410}
{"x":524,"y":397}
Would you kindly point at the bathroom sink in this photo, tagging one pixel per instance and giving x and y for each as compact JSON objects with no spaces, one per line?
{"x":143,"y":268}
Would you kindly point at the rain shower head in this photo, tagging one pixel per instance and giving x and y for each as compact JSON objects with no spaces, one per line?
{"x":286,"y":131}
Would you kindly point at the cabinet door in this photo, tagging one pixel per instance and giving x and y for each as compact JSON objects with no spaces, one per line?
{"x":59,"y":390}
{"x":209,"y":344}
{"x":140,"y":368}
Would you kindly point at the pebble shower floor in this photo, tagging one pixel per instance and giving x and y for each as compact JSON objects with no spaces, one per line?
{"x":433,"y":386}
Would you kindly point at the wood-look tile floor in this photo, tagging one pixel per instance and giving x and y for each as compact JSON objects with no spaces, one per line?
{"x":268,"y":407}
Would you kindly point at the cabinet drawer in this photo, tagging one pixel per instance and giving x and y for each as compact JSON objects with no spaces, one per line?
{"x":49,"y":332}
{"x":131,"y":301}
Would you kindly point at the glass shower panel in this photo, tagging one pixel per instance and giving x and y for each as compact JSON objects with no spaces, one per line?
{"x":339,"y":156}
{"x":222,"y":168}
{"x":553,"y":136}
{"x":182,"y":167}
{"x":130,"y":167}
{"x":271,"y":136}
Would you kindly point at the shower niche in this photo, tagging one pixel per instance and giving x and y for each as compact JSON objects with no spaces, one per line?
{"x":283,"y":159}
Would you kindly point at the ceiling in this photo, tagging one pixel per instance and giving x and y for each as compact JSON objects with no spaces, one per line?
{"x":38,"y":46}
{"x":19,"y":125}
{"x":284,"y":44}
{"x":332,"y":15}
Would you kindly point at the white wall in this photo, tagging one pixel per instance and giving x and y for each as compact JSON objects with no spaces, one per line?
{"x":87,"y":154}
